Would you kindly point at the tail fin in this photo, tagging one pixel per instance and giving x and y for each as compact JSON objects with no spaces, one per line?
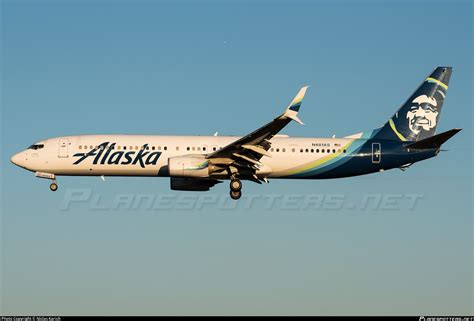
{"x":418,"y":117}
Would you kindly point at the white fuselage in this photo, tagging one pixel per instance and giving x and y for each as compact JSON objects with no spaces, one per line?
{"x":129,"y":157}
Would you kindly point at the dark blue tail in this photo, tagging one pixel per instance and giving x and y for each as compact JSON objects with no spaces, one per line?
{"x":418,"y":117}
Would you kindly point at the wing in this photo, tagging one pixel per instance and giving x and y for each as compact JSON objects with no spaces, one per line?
{"x":243,"y":155}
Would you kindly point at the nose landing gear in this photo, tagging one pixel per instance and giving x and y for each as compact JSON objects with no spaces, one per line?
{"x":235,"y":188}
{"x":53,"y":187}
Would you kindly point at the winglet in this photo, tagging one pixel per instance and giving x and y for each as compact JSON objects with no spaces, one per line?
{"x":292,"y":110}
{"x":296,"y":102}
{"x":295,"y":118}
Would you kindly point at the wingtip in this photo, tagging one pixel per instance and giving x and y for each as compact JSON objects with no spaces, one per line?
{"x":304,"y":89}
{"x":456,"y":130}
{"x":296,"y":102}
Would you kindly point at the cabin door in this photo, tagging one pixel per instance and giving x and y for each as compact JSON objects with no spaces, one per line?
{"x":63,"y":148}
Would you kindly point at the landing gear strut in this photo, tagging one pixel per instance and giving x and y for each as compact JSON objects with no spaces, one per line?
{"x":53,"y":186}
{"x":235,"y":188}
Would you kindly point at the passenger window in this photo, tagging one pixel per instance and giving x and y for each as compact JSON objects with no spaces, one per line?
{"x":306,"y":150}
{"x":344,"y":151}
{"x":283,"y":150}
{"x":301,"y":150}
{"x":317,"y":150}
{"x":277,"y":150}
{"x":293,"y":150}
{"x":322,"y":150}
{"x":328,"y":150}
{"x":334,"y":151}
{"x":80,"y":146}
{"x":312,"y":150}
{"x":204,"y":148}
{"x":165,"y":148}
{"x":271,"y":149}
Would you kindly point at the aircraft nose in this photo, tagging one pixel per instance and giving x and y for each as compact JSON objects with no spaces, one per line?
{"x":18,"y":159}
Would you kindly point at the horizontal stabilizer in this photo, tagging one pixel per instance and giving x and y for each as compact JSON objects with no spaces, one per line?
{"x":434,"y":141}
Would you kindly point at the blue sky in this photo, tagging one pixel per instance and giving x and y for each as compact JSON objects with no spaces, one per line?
{"x":151,"y":67}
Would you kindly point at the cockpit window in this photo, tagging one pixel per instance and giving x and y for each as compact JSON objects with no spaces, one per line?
{"x":36,"y":146}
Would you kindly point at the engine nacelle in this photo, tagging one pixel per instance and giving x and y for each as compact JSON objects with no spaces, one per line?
{"x":192,"y":184}
{"x":188,"y":166}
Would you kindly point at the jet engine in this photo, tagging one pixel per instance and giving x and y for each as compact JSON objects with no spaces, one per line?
{"x":189,"y":166}
{"x":192,"y":184}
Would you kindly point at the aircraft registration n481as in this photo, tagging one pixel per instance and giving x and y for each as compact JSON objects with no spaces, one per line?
{"x":197,"y":163}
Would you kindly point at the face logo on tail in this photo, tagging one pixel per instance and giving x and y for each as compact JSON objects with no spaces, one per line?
{"x":423,"y":114}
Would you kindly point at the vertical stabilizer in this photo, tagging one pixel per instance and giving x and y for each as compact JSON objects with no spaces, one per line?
{"x":418,"y":117}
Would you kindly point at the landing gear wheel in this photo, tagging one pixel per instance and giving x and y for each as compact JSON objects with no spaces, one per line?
{"x":235,"y":185}
{"x":235,"y":195}
{"x":53,"y":187}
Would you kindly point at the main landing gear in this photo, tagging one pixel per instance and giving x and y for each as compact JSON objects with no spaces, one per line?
{"x":235,"y":188}
{"x":53,"y":186}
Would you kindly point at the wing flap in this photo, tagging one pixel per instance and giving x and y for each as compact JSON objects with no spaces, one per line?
{"x":257,"y":149}
{"x":248,"y":159}
{"x":244,"y":154}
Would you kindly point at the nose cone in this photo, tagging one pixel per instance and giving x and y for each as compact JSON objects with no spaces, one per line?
{"x":18,"y":159}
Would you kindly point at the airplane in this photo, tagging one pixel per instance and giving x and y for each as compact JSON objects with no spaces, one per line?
{"x":197,"y":163}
